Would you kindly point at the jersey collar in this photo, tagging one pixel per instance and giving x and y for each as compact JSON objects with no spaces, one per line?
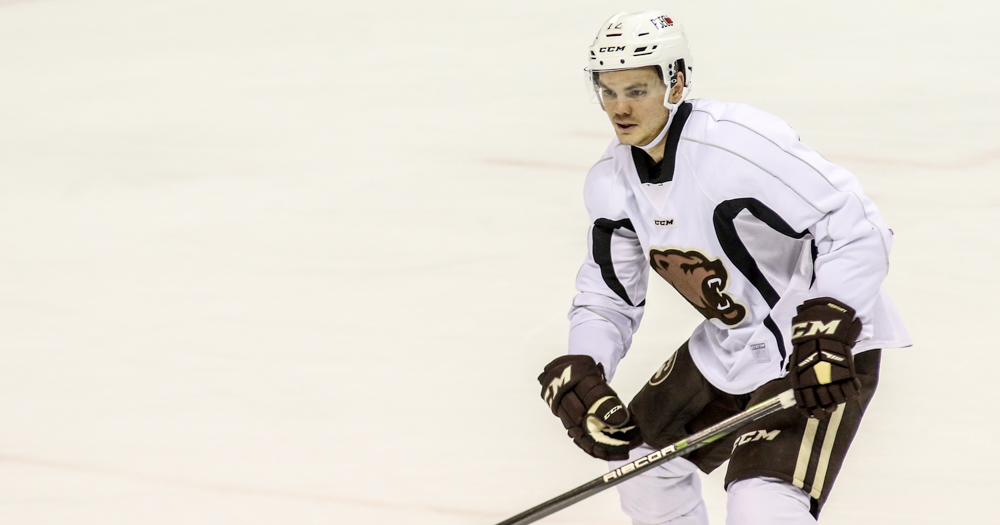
{"x":650,"y":173}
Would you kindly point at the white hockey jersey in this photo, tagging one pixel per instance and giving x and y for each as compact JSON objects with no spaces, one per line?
{"x":746,"y":223}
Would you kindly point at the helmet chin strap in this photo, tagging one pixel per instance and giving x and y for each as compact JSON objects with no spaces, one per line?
{"x":666,"y":127}
{"x":663,"y":133}
{"x":672,"y":110}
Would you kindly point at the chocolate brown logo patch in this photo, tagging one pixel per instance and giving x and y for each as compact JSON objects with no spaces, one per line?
{"x":701,"y":281}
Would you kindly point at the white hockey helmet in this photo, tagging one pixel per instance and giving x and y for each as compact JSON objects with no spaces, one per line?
{"x":633,"y":40}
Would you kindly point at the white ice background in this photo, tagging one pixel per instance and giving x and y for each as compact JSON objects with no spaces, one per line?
{"x":300,"y":261}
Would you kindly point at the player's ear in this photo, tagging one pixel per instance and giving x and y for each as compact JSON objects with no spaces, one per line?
{"x":677,"y":90}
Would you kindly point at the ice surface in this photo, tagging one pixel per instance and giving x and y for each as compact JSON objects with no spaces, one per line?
{"x":300,"y":262}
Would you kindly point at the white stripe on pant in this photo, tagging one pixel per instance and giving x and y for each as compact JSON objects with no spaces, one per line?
{"x":805,"y":452}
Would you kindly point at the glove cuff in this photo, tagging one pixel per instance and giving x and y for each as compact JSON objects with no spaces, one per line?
{"x":825,"y":318}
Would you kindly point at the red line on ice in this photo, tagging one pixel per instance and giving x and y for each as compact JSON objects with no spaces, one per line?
{"x":535,"y":164}
{"x":226,"y":487}
{"x":8,"y":2}
{"x":963,"y":164}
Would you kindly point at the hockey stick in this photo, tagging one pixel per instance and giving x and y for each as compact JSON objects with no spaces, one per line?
{"x":693,"y":442}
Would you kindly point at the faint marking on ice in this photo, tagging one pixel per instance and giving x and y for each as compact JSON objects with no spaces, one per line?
{"x":593,"y":135}
{"x":541,"y":327}
{"x":238,"y":489}
{"x":975,"y":161}
{"x":972,"y":162}
{"x":538,"y":164}
{"x":8,"y":2}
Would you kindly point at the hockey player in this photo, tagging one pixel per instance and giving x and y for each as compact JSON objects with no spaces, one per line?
{"x":781,"y":252}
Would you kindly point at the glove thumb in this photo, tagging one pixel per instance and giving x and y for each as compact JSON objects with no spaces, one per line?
{"x":610,"y":411}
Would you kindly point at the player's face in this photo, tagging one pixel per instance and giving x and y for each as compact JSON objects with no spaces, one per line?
{"x":633,"y":100}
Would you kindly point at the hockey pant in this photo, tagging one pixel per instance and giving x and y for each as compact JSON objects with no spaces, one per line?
{"x":671,"y":495}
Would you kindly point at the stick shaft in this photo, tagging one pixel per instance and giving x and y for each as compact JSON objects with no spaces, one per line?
{"x":654,"y":459}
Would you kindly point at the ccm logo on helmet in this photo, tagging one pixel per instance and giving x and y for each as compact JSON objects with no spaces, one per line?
{"x":612,"y":49}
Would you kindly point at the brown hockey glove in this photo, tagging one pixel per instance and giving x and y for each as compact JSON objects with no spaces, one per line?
{"x":593,"y":415}
{"x":822,"y":367}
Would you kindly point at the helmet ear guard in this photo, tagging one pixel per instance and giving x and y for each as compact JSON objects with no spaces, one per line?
{"x":673,"y":69}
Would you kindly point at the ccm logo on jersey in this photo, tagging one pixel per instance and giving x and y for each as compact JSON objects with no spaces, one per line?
{"x":760,"y":352}
{"x":663,"y":223}
{"x":756,"y":435}
{"x":814,"y":327}
{"x":612,"y":49}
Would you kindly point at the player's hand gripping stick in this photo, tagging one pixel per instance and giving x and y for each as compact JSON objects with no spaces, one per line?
{"x":822,"y":366}
{"x":593,"y":415}
{"x":694,"y":442}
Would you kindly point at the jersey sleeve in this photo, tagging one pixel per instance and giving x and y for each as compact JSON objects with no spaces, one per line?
{"x":611,"y":283}
{"x":852,"y":243}
{"x":812,"y":197}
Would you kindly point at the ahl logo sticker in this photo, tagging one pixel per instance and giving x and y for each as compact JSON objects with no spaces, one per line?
{"x":662,"y":22}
